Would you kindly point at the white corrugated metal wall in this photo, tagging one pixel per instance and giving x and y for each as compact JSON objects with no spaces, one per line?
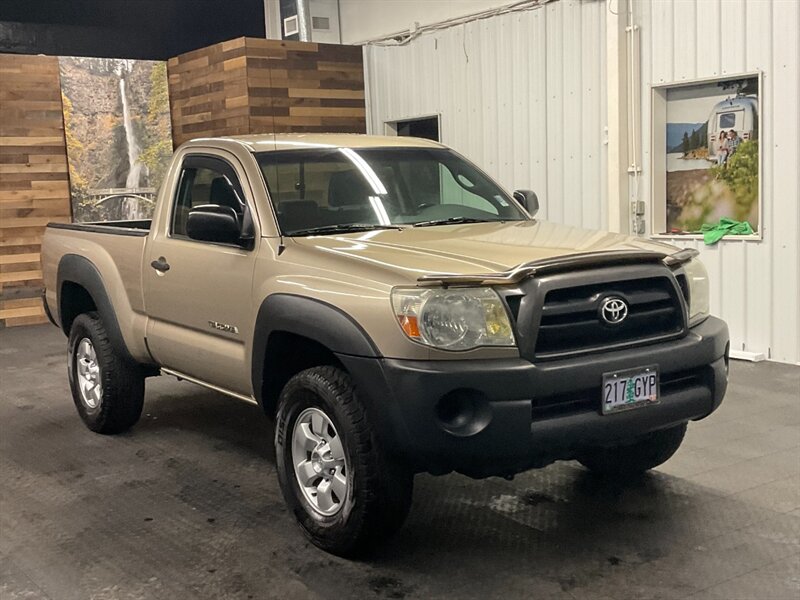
{"x":755,"y":284}
{"x":524,"y":96}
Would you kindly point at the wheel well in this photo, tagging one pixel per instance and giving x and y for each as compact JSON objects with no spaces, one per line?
{"x":74,"y":300}
{"x":287,"y":354}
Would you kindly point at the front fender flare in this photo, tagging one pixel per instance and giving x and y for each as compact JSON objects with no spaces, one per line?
{"x":312,"y":319}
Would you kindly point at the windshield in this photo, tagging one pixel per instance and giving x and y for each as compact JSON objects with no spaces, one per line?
{"x":339,"y":189}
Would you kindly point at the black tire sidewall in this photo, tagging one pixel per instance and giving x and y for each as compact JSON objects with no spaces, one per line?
{"x":85,"y":326}
{"x":122,"y":380}
{"x":327,"y":531}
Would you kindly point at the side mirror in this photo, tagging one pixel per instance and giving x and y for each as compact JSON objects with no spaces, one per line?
{"x":214,"y":223}
{"x":528,"y":199}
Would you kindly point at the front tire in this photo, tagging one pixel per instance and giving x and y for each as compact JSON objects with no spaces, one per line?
{"x":345,"y":492}
{"x":108,"y":390}
{"x":630,"y":460}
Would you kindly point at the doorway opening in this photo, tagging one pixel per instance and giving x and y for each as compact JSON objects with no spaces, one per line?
{"x":423,"y":127}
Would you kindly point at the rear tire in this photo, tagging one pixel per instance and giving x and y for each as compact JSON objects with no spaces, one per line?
{"x":108,"y":390}
{"x":322,"y":432}
{"x":629,"y":460}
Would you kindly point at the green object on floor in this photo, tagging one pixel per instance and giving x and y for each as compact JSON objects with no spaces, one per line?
{"x":714,"y":233}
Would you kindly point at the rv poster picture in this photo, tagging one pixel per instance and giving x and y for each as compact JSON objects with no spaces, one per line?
{"x":712,"y":154}
{"x":739,"y":114}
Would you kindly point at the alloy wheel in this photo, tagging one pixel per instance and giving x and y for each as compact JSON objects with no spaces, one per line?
{"x":88,"y":370}
{"x":319,"y":462}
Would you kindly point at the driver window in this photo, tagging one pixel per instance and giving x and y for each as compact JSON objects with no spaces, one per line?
{"x":205,"y":181}
{"x":457,"y":192}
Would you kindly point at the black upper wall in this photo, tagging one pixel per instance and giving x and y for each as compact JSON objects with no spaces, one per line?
{"x":149,"y":29}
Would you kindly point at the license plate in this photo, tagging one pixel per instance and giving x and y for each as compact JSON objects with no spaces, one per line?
{"x":629,"y":389}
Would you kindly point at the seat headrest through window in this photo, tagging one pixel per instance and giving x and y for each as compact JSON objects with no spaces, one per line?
{"x":224,"y":195}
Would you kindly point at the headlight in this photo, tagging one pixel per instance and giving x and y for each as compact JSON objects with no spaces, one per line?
{"x":453,"y":318}
{"x":697,"y":277}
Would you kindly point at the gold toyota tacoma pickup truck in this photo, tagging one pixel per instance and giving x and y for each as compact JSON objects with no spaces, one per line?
{"x":395,"y":311}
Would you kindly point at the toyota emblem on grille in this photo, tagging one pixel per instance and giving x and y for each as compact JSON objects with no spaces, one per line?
{"x":613,"y":310}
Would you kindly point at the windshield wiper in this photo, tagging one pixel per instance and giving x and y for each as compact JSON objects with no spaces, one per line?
{"x":451,"y":221}
{"x":341,"y":228}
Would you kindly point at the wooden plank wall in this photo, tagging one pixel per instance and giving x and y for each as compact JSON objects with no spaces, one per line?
{"x":245,"y":85}
{"x":34,"y":186}
{"x":302,"y":87}
{"x":208,"y":92}
{"x":250,"y":85}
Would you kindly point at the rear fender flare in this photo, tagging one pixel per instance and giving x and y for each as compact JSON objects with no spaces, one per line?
{"x":81,"y":271}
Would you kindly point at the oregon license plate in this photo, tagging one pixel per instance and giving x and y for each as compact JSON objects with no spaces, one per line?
{"x":628,"y":389}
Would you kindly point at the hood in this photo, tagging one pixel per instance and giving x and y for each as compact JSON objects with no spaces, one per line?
{"x":474,"y":248}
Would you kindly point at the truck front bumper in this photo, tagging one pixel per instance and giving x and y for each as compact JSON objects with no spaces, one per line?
{"x":503,"y":416}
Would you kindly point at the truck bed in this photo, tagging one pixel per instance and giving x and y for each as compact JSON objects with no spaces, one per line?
{"x":114,"y":248}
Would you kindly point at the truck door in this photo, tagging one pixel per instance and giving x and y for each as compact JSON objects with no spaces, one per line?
{"x":198,"y":294}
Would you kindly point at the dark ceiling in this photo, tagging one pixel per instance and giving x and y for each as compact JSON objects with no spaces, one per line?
{"x":152,"y":29}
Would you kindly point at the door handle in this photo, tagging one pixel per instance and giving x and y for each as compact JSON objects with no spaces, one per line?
{"x":160,"y":265}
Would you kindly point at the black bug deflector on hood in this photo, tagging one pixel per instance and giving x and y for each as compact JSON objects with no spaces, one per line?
{"x":561,"y":263}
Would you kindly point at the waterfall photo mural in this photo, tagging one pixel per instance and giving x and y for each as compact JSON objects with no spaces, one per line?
{"x":119,"y":136}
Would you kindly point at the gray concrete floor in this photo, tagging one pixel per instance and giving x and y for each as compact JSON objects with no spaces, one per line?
{"x":187,"y":505}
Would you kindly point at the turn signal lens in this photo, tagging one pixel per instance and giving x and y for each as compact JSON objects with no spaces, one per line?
{"x":409,"y":325}
{"x":699,"y":301}
{"x":497,"y":323}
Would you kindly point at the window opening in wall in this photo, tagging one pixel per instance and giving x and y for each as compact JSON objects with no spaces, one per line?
{"x":706,"y":159}
{"x":321,"y":23}
{"x":291,"y":26}
{"x":424,"y":127}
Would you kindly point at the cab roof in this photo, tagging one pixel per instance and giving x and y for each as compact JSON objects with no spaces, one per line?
{"x":267,"y":142}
